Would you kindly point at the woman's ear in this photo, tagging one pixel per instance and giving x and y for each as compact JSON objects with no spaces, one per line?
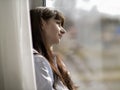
{"x":43,"y":24}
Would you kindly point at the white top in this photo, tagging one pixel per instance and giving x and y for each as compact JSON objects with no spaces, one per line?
{"x":44,"y":74}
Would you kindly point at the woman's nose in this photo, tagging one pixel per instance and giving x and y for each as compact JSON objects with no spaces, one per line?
{"x":62,"y":31}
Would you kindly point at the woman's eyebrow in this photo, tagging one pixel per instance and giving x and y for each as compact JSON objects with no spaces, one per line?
{"x":59,"y":21}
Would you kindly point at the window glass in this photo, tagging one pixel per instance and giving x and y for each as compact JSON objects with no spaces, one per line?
{"x":91,"y":47}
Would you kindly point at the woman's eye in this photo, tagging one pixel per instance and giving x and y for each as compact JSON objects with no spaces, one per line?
{"x":59,"y":23}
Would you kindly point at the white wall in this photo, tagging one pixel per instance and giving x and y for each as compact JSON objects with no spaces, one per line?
{"x":16,"y":60}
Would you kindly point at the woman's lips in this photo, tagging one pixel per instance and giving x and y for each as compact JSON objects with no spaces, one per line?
{"x":60,"y":36}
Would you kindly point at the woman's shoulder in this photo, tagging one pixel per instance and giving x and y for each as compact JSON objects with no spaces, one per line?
{"x":38,"y":57}
{"x":42,"y":62}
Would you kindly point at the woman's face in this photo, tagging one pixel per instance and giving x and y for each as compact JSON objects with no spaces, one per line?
{"x":54,"y":31}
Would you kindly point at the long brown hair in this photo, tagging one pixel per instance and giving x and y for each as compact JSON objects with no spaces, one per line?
{"x":40,"y":43}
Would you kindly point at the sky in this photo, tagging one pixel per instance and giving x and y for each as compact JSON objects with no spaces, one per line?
{"x":111,"y":7}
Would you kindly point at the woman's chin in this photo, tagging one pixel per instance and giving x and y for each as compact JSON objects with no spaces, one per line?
{"x":58,"y":41}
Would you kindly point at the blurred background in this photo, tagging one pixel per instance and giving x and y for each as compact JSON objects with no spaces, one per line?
{"x":91,"y":46}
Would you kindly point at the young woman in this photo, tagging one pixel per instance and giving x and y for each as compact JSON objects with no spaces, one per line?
{"x":47,"y":30}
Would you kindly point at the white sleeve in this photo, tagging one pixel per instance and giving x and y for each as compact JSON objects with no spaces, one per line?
{"x":43,"y":71}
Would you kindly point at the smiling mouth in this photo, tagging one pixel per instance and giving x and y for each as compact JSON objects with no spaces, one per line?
{"x":60,"y":36}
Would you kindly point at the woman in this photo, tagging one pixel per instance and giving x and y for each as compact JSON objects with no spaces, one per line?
{"x":47,"y":30}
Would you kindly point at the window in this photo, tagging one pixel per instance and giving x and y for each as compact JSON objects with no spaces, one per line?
{"x":91,"y":46}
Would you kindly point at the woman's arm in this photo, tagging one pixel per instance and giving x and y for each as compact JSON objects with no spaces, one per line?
{"x":44,"y":75}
